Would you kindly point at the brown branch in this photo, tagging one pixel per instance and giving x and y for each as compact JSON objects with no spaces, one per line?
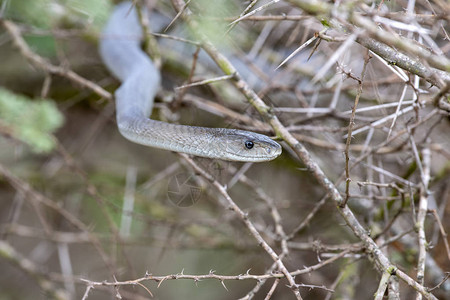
{"x":245,"y":219}
{"x":43,"y":64}
{"x":381,"y":261}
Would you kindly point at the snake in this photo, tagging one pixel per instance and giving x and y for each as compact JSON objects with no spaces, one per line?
{"x":121,"y":52}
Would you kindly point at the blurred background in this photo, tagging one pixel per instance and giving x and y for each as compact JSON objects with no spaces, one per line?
{"x":82,"y":205}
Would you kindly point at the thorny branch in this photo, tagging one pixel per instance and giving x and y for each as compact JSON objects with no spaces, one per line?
{"x":381,"y":260}
{"x":245,"y":219}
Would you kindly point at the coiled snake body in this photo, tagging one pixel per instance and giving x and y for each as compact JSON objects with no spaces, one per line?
{"x":121,"y":52}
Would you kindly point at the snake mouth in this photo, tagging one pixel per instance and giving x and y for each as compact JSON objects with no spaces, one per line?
{"x":274,"y":151}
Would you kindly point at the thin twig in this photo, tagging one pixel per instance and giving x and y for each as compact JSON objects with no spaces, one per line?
{"x":41,"y":63}
{"x":421,"y":214}
{"x":245,"y":219}
{"x":350,"y":129}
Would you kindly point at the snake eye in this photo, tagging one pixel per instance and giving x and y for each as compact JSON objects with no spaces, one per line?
{"x":249,"y":144}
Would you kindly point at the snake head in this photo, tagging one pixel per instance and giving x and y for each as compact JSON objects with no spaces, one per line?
{"x":249,"y":146}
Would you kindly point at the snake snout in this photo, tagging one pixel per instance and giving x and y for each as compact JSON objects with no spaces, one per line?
{"x":273,"y":149}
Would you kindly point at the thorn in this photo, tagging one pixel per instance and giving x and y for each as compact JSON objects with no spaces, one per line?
{"x":161,"y":282}
{"x":293,"y":286}
{"x":224,"y":286}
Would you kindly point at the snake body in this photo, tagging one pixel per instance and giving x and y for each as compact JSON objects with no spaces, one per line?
{"x":121,"y":52}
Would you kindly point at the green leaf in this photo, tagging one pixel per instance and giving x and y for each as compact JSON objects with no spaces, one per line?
{"x":31,"y":121}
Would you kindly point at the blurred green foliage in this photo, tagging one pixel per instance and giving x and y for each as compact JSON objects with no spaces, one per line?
{"x":35,"y":12}
{"x":48,"y":14}
{"x":211,"y":25}
{"x":31,"y":121}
